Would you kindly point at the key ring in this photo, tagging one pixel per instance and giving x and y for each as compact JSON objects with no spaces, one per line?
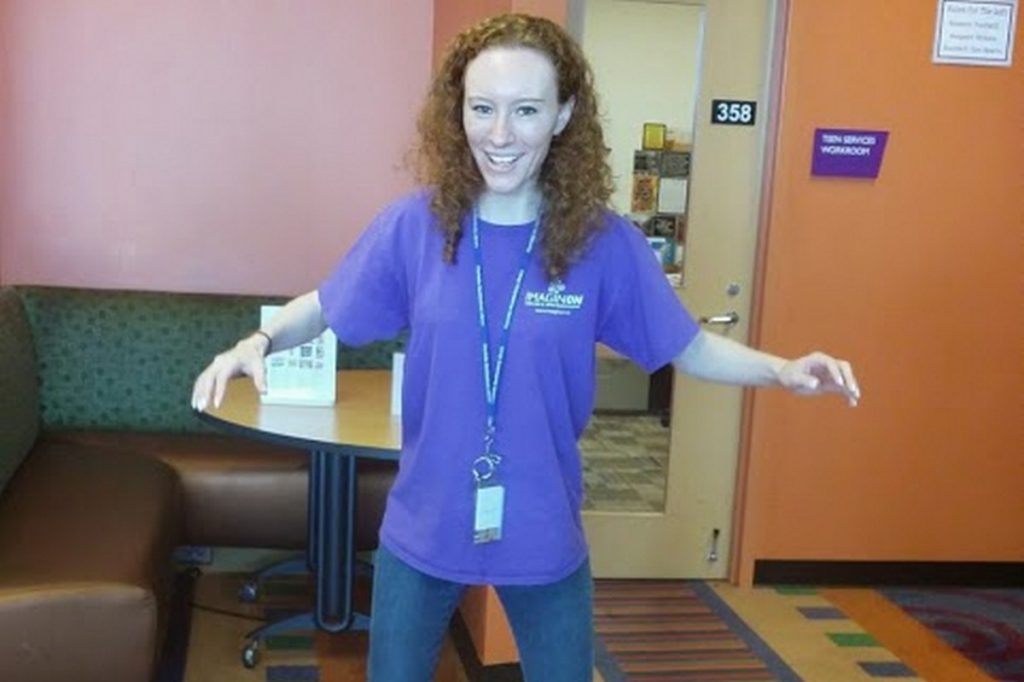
{"x":484,"y":467}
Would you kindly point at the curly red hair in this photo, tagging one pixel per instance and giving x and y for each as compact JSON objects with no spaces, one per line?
{"x":575,"y":178}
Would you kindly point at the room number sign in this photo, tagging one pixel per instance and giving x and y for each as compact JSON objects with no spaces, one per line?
{"x":733,"y":112}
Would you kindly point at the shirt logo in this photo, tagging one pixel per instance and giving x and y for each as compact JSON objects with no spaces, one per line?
{"x":554,"y":301}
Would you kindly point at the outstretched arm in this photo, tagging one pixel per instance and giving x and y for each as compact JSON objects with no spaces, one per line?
{"x":715,"y":358}
{"x":296,"y":323}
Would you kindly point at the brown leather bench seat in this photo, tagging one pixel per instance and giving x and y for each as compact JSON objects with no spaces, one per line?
{"x":84,"y":538}
{"x":223,"y":477}
{"x":104,"y":469}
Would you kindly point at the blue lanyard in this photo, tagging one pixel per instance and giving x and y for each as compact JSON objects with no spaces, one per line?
{"x":492,"y":381}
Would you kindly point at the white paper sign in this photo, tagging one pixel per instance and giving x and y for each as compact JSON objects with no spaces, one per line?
{"x":303,"y":375}
{"x":976,"y":32}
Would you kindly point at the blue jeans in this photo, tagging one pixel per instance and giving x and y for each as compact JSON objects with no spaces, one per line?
{"x":552,"y":624}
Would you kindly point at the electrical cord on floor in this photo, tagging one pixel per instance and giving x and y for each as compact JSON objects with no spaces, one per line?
{"x":225,"y":612}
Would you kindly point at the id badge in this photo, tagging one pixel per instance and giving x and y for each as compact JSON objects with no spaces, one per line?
{"x":490,"y":510}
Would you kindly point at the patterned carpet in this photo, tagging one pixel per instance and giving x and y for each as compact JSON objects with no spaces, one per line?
{"x":818,"y":640}
{"x":659,"y":630}
{"x":625,"y":462}
{"x":986,"y":626}
{"x":688,"y":631}
{"x":220,"y":624}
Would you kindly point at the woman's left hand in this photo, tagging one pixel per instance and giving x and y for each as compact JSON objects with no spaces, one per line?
{"x":818,"y":373}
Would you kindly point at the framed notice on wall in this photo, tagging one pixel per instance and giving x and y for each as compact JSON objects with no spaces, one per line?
{"x":975,"y":32}
{"x":303,"y":375}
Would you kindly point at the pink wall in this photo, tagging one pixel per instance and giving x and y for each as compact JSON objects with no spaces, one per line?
{"x":198,"y":146}
{"x":6,"y":131}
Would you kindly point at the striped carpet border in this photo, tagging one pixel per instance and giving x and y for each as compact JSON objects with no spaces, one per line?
{"x":656,"y":630}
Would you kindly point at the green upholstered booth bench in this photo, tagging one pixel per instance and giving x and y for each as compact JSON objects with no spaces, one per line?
{"x":104,"y":469}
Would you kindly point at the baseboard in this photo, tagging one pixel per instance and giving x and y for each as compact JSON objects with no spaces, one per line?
{"x":891,"y":573}
{"x":476,"y":671}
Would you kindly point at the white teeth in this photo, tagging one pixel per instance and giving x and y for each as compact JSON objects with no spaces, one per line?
{"x":502,"y":160}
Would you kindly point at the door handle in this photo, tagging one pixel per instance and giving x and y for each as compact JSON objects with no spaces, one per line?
{"x":713,"y":550}
{"x":728,"y":319}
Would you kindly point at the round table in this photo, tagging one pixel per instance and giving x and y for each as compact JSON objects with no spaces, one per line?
{"x":359,"y":424}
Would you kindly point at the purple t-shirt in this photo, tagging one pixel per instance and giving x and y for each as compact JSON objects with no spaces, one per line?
{"x":394,"y":279}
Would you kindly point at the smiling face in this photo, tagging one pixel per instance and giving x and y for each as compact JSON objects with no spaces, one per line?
{"x":510,"y":113}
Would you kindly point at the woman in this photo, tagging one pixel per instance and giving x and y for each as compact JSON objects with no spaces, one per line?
{"x":505,"y":271}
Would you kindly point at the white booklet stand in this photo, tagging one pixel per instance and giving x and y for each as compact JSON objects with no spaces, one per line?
{"x":303,"y":375}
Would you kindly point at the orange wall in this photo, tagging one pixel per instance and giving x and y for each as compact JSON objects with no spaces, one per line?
{"x":452,"y":16}
{"x":916,"y":277}
{"x":488,"y":626}
{"x":201,"y":146}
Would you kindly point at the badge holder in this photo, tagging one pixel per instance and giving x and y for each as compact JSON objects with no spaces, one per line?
{"x":490,"y":500}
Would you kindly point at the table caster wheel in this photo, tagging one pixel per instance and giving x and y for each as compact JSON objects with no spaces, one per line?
{"x":249,"y":592}
{"x":251,"y":654}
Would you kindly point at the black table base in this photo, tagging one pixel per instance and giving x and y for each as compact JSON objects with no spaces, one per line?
{"x":330,"y":553}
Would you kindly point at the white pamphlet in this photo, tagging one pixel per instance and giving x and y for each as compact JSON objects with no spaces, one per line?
{"x":397,"y":374}
{"x":303,"y":375}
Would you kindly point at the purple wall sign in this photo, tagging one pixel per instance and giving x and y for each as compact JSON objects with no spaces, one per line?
{"x":848,"y":153}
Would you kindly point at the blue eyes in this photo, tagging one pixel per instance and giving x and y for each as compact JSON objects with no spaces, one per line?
{"x":487,"y":110}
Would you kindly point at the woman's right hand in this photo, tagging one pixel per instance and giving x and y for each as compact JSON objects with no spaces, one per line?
{"x":245,"y":358}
